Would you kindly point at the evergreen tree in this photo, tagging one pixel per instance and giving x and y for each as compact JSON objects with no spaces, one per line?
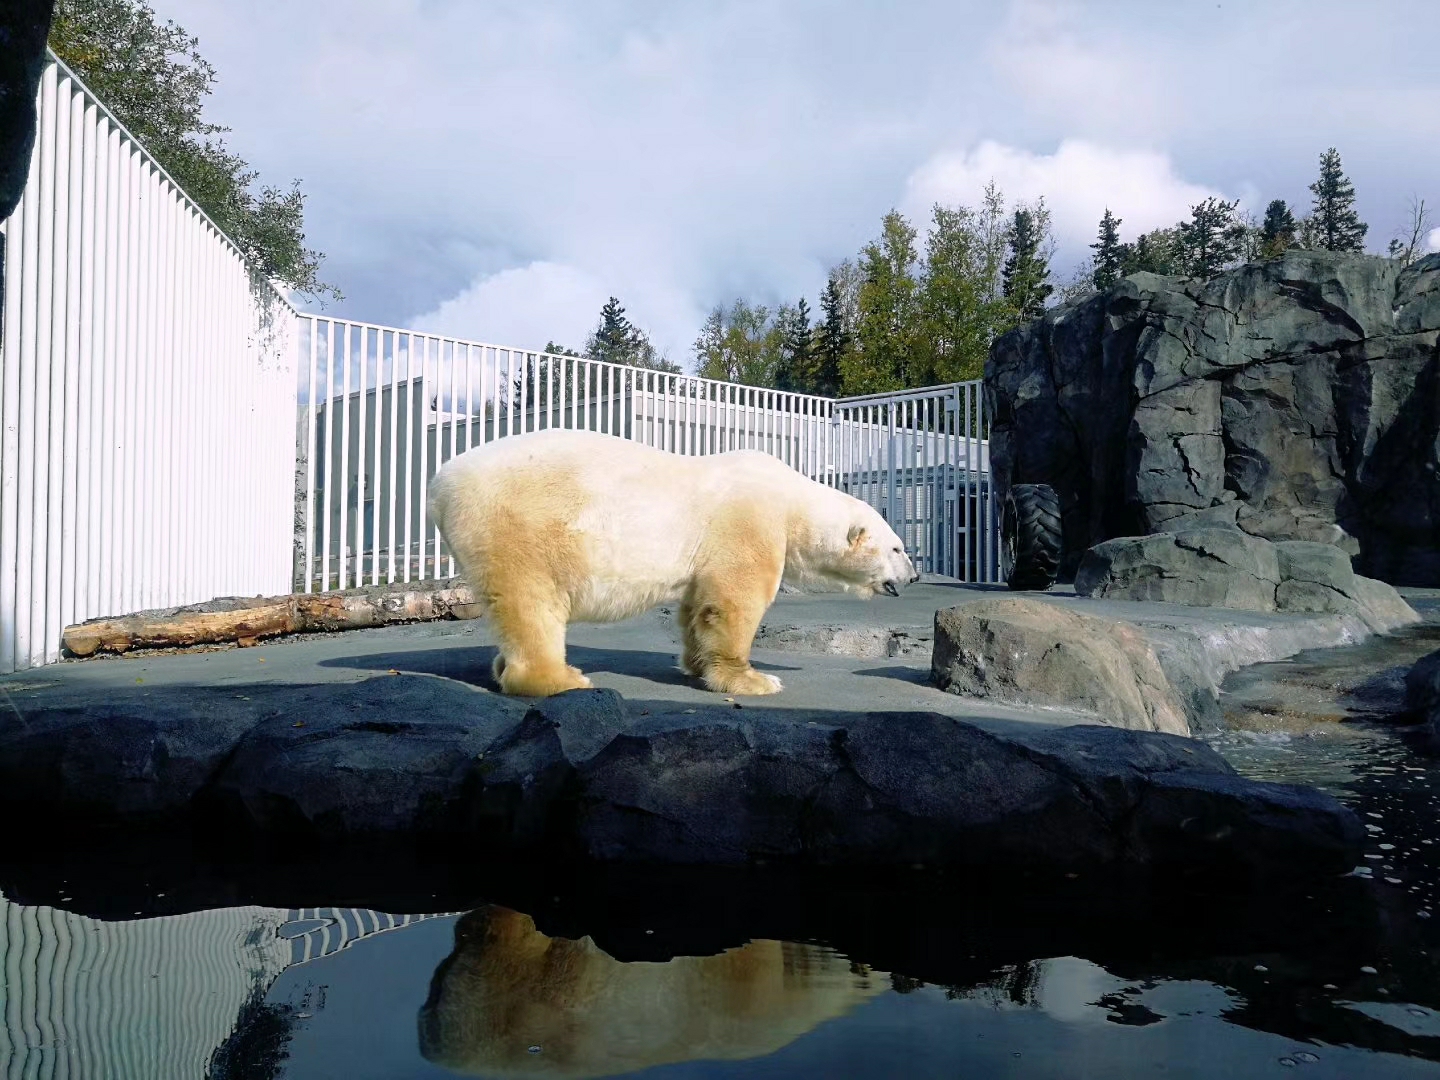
{"x":1027,"y":270}
{"x":1338,"y":227}
{"x":794,"y":371}
{"x":1109,"y":252}
{"x":1278,"y":230}
{"x":154,"y":79}
{"x":1211,"y":240}
{"x":833,"y":340}
{"x":616,"y":340}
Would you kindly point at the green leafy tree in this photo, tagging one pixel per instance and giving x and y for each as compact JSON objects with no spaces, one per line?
{"x":964,"y":308}
{"x":1155,"y":252}
{"x":795,"y":370}
{"x":741,"y":343}
{"x":1026,"y":273}
{"x":889,"y":306}
{"x":1109,"y":258}
{"x":152,"y":76}
{"x":1278,"y":230}
{"x":1337,"y":226}
{"x":1211,"y":240}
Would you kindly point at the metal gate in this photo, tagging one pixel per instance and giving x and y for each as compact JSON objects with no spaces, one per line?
{"x":921,"y":458}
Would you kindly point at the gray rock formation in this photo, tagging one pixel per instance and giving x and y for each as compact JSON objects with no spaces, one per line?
{"x":408,"y":757}
{"x":1026,"y":651}
{"x":1225,"y":567}
{"x":1422,"y":692}
{"x":1298,"y":398}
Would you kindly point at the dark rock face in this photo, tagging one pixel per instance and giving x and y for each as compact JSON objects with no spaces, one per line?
{"x":1298,"y":398}
{"x":1422,"y":692}
{"x":579,"y":775}
{"x":24,"y":27}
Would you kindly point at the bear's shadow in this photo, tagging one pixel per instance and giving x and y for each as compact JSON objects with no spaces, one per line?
{"x":472,"y":665}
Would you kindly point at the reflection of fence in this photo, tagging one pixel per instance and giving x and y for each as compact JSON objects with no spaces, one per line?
{"x":149,"y":999}
{"x":146,"y":383}
{"x":384,"y":408}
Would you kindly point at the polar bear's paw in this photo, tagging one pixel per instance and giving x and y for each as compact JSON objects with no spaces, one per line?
{"x":743,"y":681}
{"x":525,"y":681}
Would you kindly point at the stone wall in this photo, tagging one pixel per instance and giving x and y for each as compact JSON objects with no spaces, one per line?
{"x":1298,"y":398}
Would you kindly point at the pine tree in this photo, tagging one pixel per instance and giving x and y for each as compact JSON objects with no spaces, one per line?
{"x":832,"y":339}
{"x":1211,"y":240}
{"x":1277,"y":232}
{"x":1109,"y":252}
{"x":1338,"y":227}
{"x":1027,"y":269}
{"x":619,"y":341}
{"x":794,"y":372}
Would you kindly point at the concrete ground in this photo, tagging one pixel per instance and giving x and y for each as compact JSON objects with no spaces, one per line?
{"x":834,"y":653}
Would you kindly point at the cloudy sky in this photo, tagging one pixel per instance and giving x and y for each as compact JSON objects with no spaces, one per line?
{"x":495,"y":170}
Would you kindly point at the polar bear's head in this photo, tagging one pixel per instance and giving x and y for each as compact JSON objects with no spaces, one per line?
{"x":869,"y":558}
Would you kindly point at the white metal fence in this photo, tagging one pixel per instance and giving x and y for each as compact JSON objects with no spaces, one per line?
{"x":147,"y":388}
{"x":383,"y":408}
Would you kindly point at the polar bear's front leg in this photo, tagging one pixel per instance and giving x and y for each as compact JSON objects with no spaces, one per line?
{"x":531,"y":634}
{"x":718,"y":629}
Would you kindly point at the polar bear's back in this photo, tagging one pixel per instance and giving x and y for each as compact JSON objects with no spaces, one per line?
{"x":622,"y":523}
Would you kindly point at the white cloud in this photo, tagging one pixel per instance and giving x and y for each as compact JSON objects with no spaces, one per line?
{"x":526,"y":306}
{"x":1078,"y":181}
{"x":681,"y":155}
{"x":1432,"y":240}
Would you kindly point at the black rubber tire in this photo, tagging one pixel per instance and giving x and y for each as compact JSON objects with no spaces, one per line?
{"x":1030,"y":536}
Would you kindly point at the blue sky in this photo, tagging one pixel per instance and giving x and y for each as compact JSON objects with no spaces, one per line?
{"x":495,"y":170}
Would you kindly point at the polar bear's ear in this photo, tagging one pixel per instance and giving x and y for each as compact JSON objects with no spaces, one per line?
{"x":857,"y":533}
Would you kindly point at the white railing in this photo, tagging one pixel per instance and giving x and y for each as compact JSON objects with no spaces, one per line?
{"x":146,"y":392}
{"x":382,"y":408}
{"x":922,"y":458}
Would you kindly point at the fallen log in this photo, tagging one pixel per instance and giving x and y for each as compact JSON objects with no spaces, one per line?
{"x":246,"y":621}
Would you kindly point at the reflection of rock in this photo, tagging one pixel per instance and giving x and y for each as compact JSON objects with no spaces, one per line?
{"x":508,"y":987}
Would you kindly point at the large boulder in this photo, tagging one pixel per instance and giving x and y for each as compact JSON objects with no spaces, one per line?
{"x":1202,"y":567}
{"x":1227,"y":568}
{"x":1298,"y":398}
{"x":1422,"y":692}
{"x":1028,"y":652}
{"x":406,"y":758}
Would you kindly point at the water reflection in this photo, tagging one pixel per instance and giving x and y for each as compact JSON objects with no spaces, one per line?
{"x":510,"y":1001}
{"x":154,"y":998}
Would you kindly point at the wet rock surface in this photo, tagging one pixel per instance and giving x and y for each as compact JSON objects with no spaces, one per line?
{"x":1298,"y":398}
{"x":1422,"y":693}
{"x":588,"y":775}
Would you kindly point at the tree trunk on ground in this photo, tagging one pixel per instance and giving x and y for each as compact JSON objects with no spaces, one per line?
{"x":246,"y":621}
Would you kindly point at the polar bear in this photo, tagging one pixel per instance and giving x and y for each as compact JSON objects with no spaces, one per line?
{"x":560,"y":526}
